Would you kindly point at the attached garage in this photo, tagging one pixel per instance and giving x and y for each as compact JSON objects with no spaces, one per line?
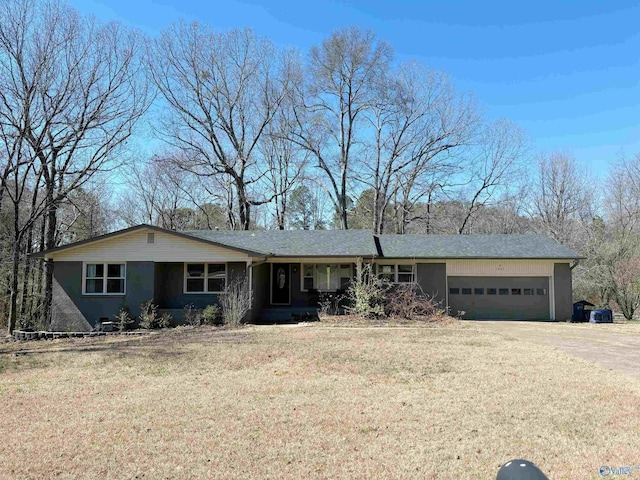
{"x":498,"y":277}
{"x":500,"y":298}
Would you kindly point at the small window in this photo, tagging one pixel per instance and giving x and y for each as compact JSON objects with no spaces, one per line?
{"x":405,"y":273}
{"x":478,"y":291}
{"x":503,"y":291}
{"x":151,"y":238}
{"x":491,"y":291}
{"x":541,"y":291}
{"x":454,"y":291}
{"x":307,"y":272}
{"x":516,"y":291}
{"x":528,"y":291}
{"x":466,"y":291}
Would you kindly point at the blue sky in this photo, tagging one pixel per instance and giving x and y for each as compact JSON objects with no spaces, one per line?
{"x":568,"y":72}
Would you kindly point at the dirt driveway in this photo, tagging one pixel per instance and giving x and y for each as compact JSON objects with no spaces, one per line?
{"x":616,"y":346}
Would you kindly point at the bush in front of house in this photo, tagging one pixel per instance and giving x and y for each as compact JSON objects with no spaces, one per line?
{"x":367,"y":294}
{"x":235,"y":302}
{"x":124,"y":319}
{"x":212,"y":315}
{"x":151,"y":319}
{"x":192,"y":315}
{"x":409,"y":302}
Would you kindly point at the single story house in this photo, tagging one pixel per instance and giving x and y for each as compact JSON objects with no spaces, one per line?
{"x":516,"y":277}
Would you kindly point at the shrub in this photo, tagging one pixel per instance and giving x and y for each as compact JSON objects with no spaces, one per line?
{"x":235,"y":302}
{"x":193,"y":315}
{"x":409,"y":302}
{"x":329,"y":303}
{"x":212,"y":315}
{"x":124,"y":319}
{"x":150,"y":318}
{"x":367,"y":294}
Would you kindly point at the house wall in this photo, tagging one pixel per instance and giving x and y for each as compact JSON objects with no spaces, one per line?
{"x":68,"y":276}
{"x":503,"y":268}
{"x":563,"y":296}
{"x":260,"y":280}
{"x":432,"y":278}
{"x":169,"y":291}
{"x":166,"y":248}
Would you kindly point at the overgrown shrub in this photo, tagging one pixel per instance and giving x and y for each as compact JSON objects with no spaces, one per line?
{"x":409,"y":302}
{"x":235,"y":302}
{"x":124,"y":319}
{"x":367,"y":294}
{"x":212,"y":315}
{"x":151,"y":319}
{"x":329,"y":303}
{"x":192,"y":315}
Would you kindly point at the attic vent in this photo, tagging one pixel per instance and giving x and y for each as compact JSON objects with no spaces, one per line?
{"x":151,"y":238}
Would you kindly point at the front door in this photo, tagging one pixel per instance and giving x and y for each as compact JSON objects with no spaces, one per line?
{"x":280,"y":284}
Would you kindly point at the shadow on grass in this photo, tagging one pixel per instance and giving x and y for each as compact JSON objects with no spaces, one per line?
{"x":166,"y":343}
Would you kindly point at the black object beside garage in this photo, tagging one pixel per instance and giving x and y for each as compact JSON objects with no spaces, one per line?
{"x":582,"y":311}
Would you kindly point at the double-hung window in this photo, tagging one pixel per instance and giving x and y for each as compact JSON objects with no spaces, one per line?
{"x":104,"y":278}
{"x":205,"y":277}
{"x":396,"y":273}
{"x":326,"y":277}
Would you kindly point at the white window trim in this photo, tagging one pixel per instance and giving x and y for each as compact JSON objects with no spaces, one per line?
{"x":105,"y":278}
{"x":315,"y":274}
{"x":396,"y":273}
{"x":206,"y":273}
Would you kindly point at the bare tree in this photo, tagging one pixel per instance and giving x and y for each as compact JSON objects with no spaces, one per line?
{"x":341,"y":86}
{"x":561,"y":198}
{"x":623,"y":195}
{"x":285,"y":163}
{"x":79,"y":89}
{"x":223,"y":90}
{"x":495,"y":163}
{"x":417,"y":117}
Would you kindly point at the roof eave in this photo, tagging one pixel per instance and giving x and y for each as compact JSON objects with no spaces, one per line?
{"x":126,"y":231}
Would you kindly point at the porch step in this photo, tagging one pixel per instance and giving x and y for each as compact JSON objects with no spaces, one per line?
{"x":288,"y":315}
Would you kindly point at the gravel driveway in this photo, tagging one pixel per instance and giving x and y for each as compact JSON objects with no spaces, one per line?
{"x":616,"y":346}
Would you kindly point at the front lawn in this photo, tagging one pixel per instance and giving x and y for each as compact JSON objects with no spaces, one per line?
{"x":310,"y":402}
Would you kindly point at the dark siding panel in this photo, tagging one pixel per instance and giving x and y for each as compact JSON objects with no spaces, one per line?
{"x":562,"y":291}
{"x":236,"y":271}
{"x":298,"y":297}
{"x":260,"y":277}
{"x":432,"y":278}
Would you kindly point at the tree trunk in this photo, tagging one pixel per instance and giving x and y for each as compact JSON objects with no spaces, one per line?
{"x":50,"y":242}
{"x":13,"y":299}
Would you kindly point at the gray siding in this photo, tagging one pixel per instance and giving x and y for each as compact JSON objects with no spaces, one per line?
{"x":260,"y":278}
{"x":298,"y":297}
{"x":432,"y":278}
{"x":68,"y":276}
{"x":562,"y":291}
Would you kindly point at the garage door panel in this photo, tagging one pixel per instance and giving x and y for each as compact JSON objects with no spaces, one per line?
{"x":473,"y":297}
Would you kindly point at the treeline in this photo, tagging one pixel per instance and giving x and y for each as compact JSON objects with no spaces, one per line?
{"x":103,"y":127}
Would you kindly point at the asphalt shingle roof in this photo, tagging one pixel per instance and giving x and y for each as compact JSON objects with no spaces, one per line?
{"x":526,"y":246}
{"x":295,"y":243}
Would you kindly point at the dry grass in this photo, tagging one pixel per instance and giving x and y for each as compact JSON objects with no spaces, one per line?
{"x":310,"y":402}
